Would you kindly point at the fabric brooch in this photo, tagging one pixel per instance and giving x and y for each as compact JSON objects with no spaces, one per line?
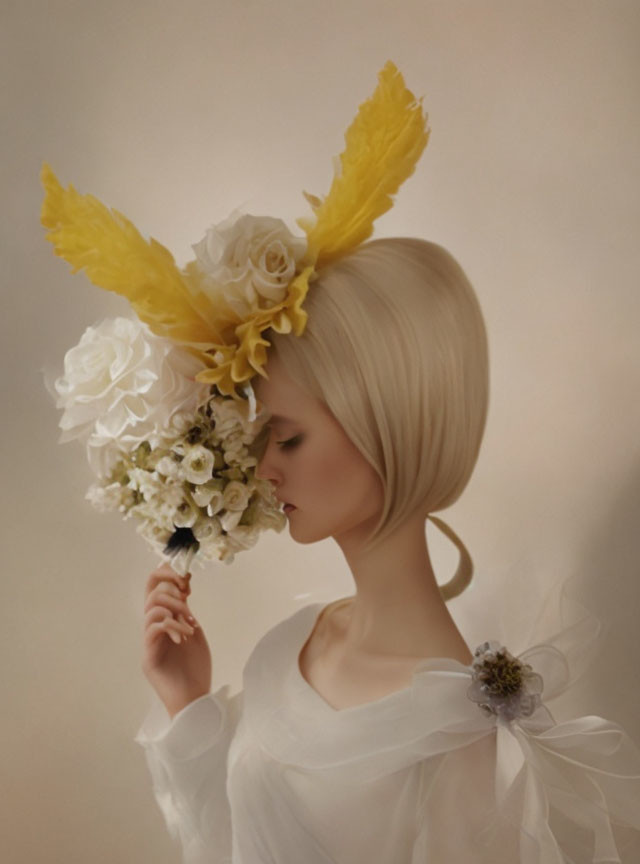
{"x":503,"y":686}
{"x":164,"y":402}
{"x":584,"y":770}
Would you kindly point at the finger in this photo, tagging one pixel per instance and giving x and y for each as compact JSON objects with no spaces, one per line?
{"x":172,"y":608}
{"x":156,"y":621}
{"x":179,"y":627}
{"x":165,"y":579}
{"x":156,"y":631}
{"x":165,"y":574}
{"x":173,"y":599}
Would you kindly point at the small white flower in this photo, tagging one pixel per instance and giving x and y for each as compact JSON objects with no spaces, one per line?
{"x":232,"y":416}
{"x":206,"y":529}
{"x":185,"y":515}
{"x":203,"y":494}
{"x":168,"y":467}
{"x":168,"y":498}
{"x":215,"y":504}
{"x":269,"y":517}
{"x":105,"y":498}
{"x":197,"y":464}
{"x":153,"y":533}
{"x":145,"y":483}
{"x":235,"y":496}
{"x":210,"y":547}
{"x":245,"y":536}
{"x":230,"y":519}
{"x":179,"y":423}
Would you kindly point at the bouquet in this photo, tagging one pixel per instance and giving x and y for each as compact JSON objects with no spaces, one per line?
{"x":166,"y":449}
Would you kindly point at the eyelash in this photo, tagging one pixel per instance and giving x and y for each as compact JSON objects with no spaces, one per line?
{"x":291,"y":442}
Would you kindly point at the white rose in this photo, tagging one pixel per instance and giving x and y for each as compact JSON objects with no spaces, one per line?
{"x":203,"y":494}
{"x":234,"y":417}
{"x":244,"y":536}
{"x":197,"y":464}
{"x":230,"y":519}
{"x":251,"y":257}
{"x":186,"y":515}
{"x":235,"y":496}
{"x":215,"y":504}
{"x":269,"y":517}
{"x":206,"y":530}
{"x":154,"y":533}
{"x":123,"y":385}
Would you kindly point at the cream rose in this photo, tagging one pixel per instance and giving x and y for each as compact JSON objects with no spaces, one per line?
{"x":197,"y":464}
{"x":253,"y":258}
{"x":230,"y":519}
{"x":235,"y":496}
{"x":239,"y":418}
{"x":123,"y":385}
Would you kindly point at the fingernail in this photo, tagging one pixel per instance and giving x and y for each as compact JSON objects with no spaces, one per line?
{"x":175,"y":638}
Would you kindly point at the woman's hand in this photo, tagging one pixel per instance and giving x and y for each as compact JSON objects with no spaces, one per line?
{"x":176,"y":658}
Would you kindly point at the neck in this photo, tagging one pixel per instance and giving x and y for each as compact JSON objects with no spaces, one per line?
{"x":398,"y":608}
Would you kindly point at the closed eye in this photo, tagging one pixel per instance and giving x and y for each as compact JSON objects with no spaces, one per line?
{"x":291,"y":442}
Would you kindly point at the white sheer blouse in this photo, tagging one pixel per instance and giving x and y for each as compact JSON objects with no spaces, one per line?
{"x":275,"y":775}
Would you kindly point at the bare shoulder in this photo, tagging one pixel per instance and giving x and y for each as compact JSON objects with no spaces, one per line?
{"x":335,"y":615}
{"x":344,"y":676}
{"x":333,"y":622}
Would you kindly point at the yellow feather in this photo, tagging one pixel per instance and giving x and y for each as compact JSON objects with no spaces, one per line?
{"x":383,"y":145}
{"x":115,"y":256}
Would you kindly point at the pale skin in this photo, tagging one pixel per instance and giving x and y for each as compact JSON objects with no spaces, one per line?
{"x":397,"y":616}
{"x":368,"y":644}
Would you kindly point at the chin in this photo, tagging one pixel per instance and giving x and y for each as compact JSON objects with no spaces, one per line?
{"x":306,"y":534}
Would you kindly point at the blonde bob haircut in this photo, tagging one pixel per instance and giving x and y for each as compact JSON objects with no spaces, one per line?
{"x":396,"y":347}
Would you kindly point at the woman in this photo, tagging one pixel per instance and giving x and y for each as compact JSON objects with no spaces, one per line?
{"x":366,"y":731}
{"x":354,"y":738}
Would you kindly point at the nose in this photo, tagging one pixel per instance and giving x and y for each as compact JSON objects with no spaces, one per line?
{"x":265,"y":469}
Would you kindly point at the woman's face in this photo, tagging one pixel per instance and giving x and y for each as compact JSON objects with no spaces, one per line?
{"x":313,"y":464}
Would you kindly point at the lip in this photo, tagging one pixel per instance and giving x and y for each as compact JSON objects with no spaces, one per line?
{"x":288,"y":508}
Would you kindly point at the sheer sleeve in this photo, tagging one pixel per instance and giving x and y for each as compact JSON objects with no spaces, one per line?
{"x":187,"y":761}
{"x":529,"y":790}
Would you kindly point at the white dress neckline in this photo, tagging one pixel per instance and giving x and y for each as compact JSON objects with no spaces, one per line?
{"x":402,"y":695}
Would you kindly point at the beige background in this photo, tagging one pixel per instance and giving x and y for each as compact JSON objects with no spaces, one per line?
{"x":175,"y":113}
